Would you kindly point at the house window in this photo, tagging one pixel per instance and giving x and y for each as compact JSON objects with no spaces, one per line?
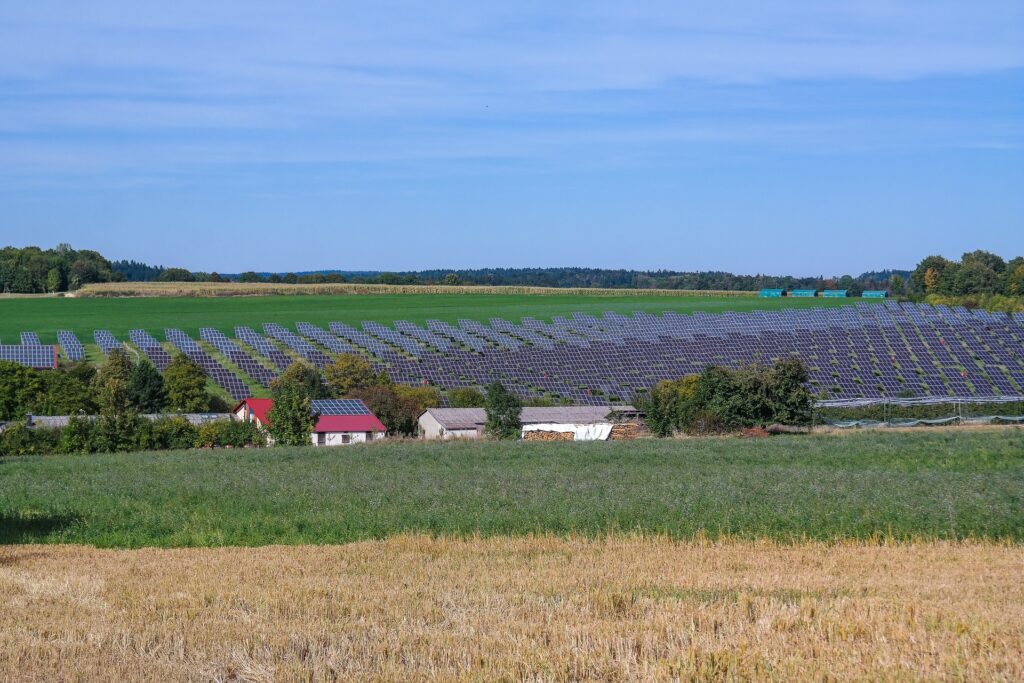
{"x":321,"y":439}
{"x":346,"y":438}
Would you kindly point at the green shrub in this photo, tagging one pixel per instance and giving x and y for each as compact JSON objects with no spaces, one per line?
{"x":20,"y":439}
{"x":78,"y":437}
{"x":725,"y":399}
{"x":229,"y":433}
{"x":172,"y":433}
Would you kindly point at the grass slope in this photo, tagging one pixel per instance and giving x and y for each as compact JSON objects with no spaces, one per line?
{"x":82,"y":316}
{"x":926,"y":484}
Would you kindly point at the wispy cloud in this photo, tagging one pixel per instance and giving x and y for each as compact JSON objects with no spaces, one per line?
{"x":454,"y":114}
{"x":127,"y":65}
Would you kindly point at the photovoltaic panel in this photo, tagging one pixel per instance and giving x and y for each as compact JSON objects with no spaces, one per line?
{"x":344,"y":406}
{"x":106,"y":341}
{"x":888,"y":350}
{"x":73,"y":348}
{"x":30,"y":355}
{"x":30,"y":339}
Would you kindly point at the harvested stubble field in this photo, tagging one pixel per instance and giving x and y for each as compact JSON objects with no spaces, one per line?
{"x":118,"y":315}
{"x":416,"y":608}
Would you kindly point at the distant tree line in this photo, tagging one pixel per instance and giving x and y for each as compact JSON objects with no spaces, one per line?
{"x":31,"y":270}
{"x":977,"y":272}
{"x":564,"y":278}
{"x":134,"y":271}
{"x":590,"y":278}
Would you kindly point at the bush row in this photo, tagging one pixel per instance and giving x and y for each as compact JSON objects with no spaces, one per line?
{"x":724,"y":399}
{"x":104,"y":435}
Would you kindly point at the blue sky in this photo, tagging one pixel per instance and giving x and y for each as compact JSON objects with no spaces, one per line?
{"x":782,"y":137}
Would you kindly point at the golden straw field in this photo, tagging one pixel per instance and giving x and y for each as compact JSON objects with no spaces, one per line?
{"x":528,"y":608}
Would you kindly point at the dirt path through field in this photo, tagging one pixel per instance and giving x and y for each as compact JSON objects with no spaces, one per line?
{"x":415,"y":608}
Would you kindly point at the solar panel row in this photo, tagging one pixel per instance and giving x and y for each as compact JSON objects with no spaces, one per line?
{"x":105,"y":341}
{"x":156,"y":353}
{"x":852,"y":352}
{"x":29,"y":355}
{"x":245,"y":362}
{"x":866,"y":350}
{"x":218,"y":373}
{"x":72,"y":347}
{"x":345,"y":406}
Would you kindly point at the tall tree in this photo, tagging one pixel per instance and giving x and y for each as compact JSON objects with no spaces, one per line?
{"x":937,"y":264}
{"x":19,"y":387}
{"x":312,"y":381}
{"x":291,"y":417}
{"x":503,"y":413}
{"x":398,"y":414}
{"x":466,"y":397}
{"x":117,"y":366}
{"x":398,"y":406}
{"x":350,"y":372}
{"x":118,"y":427}
{"x":63,"y":394}
{"x":1015,"y":277}
{"x":185,"y":386}
{"x":146,"y":387}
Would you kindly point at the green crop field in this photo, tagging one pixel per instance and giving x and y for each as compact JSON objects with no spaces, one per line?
{"x":941,"y":484}
{"x":47,"y":315}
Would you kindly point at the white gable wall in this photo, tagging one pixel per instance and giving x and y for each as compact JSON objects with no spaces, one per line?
{"x":339,"y":438}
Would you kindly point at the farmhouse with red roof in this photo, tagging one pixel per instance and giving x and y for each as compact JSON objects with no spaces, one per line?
{"x":340,"y":421}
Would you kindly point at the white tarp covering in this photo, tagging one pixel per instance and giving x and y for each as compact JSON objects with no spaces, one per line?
{"x":592,"y":432}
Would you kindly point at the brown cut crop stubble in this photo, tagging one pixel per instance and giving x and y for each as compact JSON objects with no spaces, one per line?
{"x":542,"y":608}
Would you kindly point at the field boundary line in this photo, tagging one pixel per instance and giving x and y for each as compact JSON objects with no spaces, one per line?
{"x":229,"y":289}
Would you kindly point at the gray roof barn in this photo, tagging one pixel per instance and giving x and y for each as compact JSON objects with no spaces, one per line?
{"x":473,"y":419}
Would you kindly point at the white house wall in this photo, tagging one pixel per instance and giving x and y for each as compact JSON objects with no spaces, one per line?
{"x":337,"y":438}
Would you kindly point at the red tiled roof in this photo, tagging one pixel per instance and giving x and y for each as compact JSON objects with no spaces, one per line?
{"x":259,"y":407}
{"x":349,"y":423}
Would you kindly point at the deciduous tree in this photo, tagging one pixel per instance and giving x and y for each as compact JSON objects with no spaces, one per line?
{"x":350,"y":372}
{"x":503,"y":413}
{"x":185,"y":386}
{"x":146,"y":387}
{"x":466,"y":397}
{"x":292,"y":418}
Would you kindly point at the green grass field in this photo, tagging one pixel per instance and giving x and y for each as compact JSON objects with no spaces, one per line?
{"x":47,"y":315}
{"x":940,"y":484}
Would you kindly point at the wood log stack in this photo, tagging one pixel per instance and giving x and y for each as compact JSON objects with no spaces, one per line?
{"x":624,"y":431}
{"x":549,"y":436}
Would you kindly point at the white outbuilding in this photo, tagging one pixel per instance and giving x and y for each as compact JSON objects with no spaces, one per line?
{"x":584,"y":423}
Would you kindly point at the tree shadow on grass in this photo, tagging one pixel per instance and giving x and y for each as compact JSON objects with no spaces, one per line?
{"x":30,"y":527}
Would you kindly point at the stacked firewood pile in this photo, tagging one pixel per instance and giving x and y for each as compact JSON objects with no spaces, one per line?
{"x":626,"y":430}
{"x":548,"y":436}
